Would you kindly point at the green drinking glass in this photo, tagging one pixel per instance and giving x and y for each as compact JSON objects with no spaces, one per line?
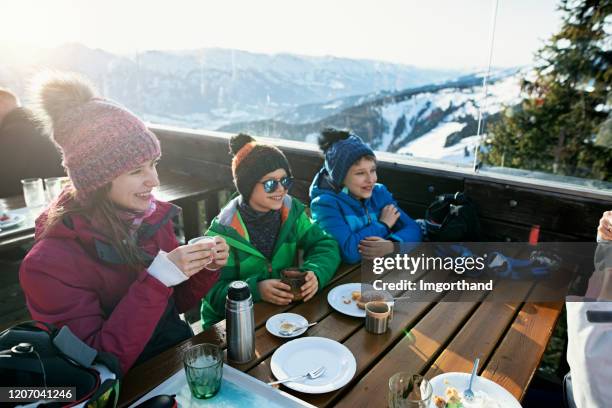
{"x":204,"y":369}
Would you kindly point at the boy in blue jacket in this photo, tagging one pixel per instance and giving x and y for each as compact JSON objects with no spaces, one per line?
{"x":350,"y":205}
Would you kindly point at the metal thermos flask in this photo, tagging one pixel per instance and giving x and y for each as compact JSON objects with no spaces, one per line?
{"x":239,"y":323}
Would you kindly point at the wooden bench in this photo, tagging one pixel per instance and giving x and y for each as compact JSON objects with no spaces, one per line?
{"x":179,"y":188}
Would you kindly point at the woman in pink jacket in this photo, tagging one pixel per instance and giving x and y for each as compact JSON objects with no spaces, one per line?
{"x":106,"y":262}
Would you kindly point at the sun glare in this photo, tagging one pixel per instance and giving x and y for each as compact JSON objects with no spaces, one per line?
{"x":397,"y":31}
{"x":40,"y":24}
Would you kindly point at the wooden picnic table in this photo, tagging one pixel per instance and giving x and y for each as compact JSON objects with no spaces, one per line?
{"x":178,"y":188}
{"x":424,"y":337}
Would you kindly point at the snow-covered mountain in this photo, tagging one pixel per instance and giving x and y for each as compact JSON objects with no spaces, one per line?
{"x":396,"y":108}
{"x":437,"y":121}
{"x":209,"y":88}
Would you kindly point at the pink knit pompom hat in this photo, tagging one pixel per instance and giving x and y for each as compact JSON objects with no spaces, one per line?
{"x":99,"y":139}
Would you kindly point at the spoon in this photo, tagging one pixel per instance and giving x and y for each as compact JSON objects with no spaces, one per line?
{"x":468,"y":394}
{"x":293,"y":328}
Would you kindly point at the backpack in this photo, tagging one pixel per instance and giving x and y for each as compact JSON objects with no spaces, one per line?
{"x":452,"y":218}
{"x":36,"y":354}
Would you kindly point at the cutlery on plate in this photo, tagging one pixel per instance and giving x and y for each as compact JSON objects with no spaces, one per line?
{"x":310,"y":375}
{"x":468,"y":394}
{"x":294,"y":328}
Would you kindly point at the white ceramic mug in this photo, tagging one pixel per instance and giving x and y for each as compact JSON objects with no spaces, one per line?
{"x":204,"y":239}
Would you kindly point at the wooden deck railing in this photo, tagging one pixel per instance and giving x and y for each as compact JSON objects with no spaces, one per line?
{"x":508,"y":206}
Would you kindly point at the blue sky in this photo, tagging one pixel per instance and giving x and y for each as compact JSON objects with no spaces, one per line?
{"x":437,"y":33}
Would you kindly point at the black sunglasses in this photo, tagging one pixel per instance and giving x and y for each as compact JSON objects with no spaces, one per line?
{"x":271,"y":185}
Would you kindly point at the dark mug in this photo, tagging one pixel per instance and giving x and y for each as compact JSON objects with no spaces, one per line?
{"x":377,"y":317}
{"x":295,"y":278}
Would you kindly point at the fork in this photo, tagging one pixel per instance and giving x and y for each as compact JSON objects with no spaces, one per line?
{"x":311,"y":375}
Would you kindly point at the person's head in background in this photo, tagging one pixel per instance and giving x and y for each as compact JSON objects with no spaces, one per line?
{"x":604,"y":229}
{"x":261,"y":173}
{"x":8,"y":102}
{"x":350,"y":163}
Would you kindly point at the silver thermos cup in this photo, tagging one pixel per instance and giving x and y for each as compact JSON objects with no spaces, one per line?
{"x":239,"y":323}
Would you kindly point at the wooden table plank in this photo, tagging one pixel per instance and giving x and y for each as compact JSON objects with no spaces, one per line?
{"x":14,"y":241}
{"x":336,"y":327}
{"x":369,"y":348}
{"x":314,"y":311}
{"x":266,"y":310}
{"x":331,"y":325}
{"x":481,"y":333}
{"x":12,"y":203}
{"x":366,"y":347}
{"x":527,"y":338}
{"x":413,"y":353}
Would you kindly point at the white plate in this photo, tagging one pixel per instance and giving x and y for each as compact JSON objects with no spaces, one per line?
{"x":338,"y":295}
{"x":274,"y":322}
{"x":13,"y":221}
{"x":302,"y":355}
{"x":460,"y":381}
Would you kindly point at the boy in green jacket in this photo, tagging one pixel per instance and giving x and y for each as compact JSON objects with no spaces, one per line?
{"x":265,"y":228}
